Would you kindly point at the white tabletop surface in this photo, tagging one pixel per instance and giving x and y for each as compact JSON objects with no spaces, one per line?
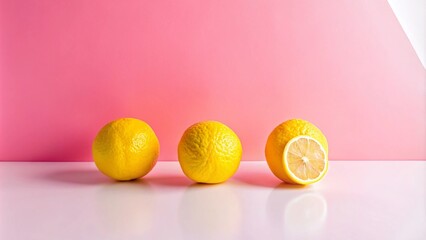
{"x":356,"y":200}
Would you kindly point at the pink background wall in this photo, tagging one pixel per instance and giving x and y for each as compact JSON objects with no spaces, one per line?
{"x":69,"y":67}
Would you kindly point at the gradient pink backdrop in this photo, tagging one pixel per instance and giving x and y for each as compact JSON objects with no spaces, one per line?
{"x":69,"y":67}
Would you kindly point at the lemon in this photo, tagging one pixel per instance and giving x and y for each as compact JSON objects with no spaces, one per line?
{"x":125,"y":149}
{"x":295,"y":147}
{"x":305,"y":160}
{"x":209,"y":152}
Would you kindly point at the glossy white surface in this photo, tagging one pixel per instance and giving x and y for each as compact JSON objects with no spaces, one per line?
{"x":356,"y":200}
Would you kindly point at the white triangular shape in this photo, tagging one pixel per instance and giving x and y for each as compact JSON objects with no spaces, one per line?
{"x":411,"y":14}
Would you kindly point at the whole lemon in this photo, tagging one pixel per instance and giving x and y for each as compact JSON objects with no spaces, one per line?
{"x":126,"y":149}
{"x":209,"y":152}
{"x":303,"y":134}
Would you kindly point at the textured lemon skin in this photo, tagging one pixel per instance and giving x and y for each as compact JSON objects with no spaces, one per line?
{"x":126,"y":149}
{"x":209,"y":152}
{"x":279,"y":138}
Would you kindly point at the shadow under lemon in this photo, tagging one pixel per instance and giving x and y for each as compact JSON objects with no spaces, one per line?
{"x":257,"y":178}
{"x":79,"y":176}
{"x":296,"y":213}
{"x":125,"y":209}
{"x":169,"y":181}
{"x":210,"y":212}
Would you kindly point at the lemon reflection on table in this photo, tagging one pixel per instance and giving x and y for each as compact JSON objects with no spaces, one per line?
{"x":296,"y":213}
{"x":210,"y":211}
{"x":126,"y":209}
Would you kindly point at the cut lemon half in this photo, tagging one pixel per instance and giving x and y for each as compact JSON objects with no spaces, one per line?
{"x":305,"y":160}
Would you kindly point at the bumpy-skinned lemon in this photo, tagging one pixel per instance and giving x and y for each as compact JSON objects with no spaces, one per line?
{"x":126,"y":149}
{"x":297,"y":152}
{"x":209,"y":152}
